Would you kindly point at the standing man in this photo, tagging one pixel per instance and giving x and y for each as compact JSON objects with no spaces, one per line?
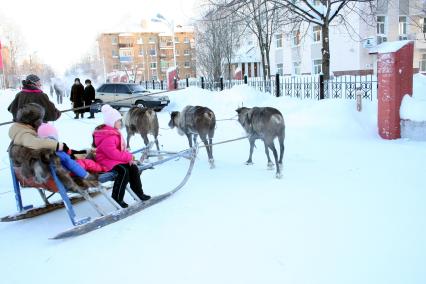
{"x":89,"y":96}
{"x":77,"y":97}
{"x":31,"y":93}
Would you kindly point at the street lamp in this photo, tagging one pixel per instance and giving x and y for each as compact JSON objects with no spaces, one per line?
{"x":171,"y":24}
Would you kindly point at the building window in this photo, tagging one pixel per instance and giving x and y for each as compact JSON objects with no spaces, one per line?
{"x":295,"y":41}
{"x":139,"y":41}
{"x":114,"y":40}
{"x":153,"y":52}
{"x":279,"y":40}
{"x":187,"y":64}
{"x":176,"y":39}
{"x":114,"y":53}
{"x":423,"y":63}
{"x":317,"y":66}
{"x":280,"y":69}
{"x":402,"y":28}
{"x":151,"y":39}
{"x":296,"y":68}
{"x":381,"y":29}
{"x":153,"y":65}
{"x":186,"y":52}
{"x":186,"y":39}
{"x":316,"y":34}
{"x":140,"y":52}
{"x":177,"y":52}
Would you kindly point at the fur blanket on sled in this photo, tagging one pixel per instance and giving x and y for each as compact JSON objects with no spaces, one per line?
{"x":34,"y":164}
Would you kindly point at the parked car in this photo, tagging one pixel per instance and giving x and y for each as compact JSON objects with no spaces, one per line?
{"x":127,"y":95}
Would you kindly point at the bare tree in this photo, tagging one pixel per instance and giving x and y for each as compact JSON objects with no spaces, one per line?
{"x":217,"y":38}
{"x":264,"y":18}
{"x":318,"y":12}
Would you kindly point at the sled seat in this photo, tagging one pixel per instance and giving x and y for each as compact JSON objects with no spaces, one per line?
{"x":49,"y":185}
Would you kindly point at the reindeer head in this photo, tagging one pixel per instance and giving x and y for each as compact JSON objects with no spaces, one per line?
{"x":174,"y":116}
{"x":243,"y":116}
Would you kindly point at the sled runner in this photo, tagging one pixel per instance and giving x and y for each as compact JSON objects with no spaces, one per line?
{"x":87,"y":224}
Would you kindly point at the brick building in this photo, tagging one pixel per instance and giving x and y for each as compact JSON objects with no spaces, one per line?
{"x":146,"y":55}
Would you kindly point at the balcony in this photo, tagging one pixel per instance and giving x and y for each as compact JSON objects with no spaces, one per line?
{"x":126,"y":59}
{"x":125,"y":45}
{"x":166,"y":45}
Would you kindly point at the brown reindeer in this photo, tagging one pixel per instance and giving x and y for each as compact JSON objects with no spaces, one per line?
{"x":264,"y":123}
{"x":143,"y":121}
{"x":193,"y":121}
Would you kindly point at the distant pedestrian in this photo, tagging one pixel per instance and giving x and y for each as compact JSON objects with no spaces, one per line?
{"x":59,"y":92}
{"x":77,"y":97}
{"x":31,"y":93}
{"x":51,"y":91}
{"x":89,"y":97}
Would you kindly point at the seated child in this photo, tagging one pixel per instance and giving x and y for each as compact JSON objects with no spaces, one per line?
{"x":47,"y":130}
{"x":68,"y":158}
{"x":111,"y":153}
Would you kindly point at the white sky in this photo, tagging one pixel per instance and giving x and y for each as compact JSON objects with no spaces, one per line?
{"x":60,"y":32}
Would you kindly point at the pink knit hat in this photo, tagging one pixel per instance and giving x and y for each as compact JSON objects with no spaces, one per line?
{"x":47,"y":130}
{"x":111,"y":115}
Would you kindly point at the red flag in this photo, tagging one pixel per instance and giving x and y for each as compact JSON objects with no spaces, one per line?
{"x":1,"y":60}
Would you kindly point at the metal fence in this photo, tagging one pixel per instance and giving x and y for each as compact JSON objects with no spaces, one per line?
{"x":302,"y":87}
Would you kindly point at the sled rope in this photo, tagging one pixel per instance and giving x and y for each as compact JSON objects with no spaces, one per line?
{"x":223,"y":142}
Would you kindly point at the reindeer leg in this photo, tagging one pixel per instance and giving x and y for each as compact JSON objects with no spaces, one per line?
{"x":281,"y":141}
{"x":211,"y":161}
{"x":274,"y":151}
{"x":194,"y":138}
{"x":146,"y":142}
{"x":129,"y":135}
{"x":249,"y":161}
{"x":270,"y":164}
{"x":189,"y":136}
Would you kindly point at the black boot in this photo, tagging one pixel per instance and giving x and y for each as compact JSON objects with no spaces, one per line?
{"x":122,"y":204}
{"x":144,"y":197}
{"x":76,"y":116}
{"x":82,"y":115}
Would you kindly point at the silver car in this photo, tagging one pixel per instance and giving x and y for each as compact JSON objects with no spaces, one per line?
{"x":127,"y":95}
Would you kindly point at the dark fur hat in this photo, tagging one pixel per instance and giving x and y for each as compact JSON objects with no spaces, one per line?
{"x":31,"y":114}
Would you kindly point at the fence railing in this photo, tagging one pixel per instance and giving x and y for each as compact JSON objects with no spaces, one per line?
{"x":302,"y":87}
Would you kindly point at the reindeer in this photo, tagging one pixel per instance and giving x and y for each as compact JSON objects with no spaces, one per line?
{"x":264,"y":123}
{"x":193,"y":121}
{"x":143,"y":121}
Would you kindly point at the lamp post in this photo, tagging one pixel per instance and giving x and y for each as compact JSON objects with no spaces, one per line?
{"x":171,"y":24}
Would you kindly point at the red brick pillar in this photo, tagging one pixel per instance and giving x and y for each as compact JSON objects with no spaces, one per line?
{"x":395,"y":78}
{"x":171,"y":75}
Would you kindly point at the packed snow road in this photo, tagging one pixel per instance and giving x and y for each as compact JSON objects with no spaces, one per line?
{"x":349,"y":209}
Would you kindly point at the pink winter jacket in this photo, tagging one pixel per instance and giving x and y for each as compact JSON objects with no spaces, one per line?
{"x":110,"y":147}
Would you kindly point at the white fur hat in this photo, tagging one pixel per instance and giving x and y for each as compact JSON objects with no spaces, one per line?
{"x":111,"y":115}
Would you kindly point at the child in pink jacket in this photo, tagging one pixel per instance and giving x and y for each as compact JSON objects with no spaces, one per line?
{"x":112,"y":154}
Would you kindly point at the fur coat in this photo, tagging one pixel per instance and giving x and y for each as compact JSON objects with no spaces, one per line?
{"x":34,"y":165}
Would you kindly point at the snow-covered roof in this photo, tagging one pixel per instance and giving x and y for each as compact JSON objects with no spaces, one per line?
{"x":391,"y":46}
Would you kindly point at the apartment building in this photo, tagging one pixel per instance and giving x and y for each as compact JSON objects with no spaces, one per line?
{"x":146,"y":55}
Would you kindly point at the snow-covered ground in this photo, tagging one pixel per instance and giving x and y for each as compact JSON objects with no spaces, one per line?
{"x":350,"y":207}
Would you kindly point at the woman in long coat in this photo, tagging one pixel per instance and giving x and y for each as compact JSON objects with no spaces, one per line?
{"x":77,"y":97}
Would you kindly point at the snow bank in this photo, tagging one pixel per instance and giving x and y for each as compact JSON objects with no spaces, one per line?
{"x":414,"y":108}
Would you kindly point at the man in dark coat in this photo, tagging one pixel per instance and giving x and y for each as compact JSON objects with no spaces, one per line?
{"x":77,"y":97}
{"x":89,"y":96}
{"x":31,"y":93}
